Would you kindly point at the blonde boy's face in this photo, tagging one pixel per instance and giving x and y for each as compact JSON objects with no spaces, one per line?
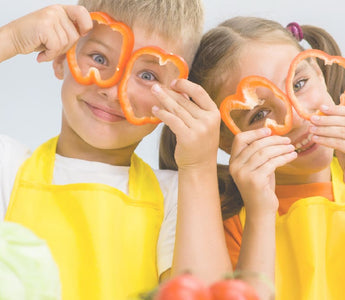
{"x":93,"y":113}
{"x":272,"y":61}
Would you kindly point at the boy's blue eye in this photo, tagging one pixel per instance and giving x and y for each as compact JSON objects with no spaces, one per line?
{"x":146,"y":75}
{"x":99,"y":59}
{"x":299,"y":85}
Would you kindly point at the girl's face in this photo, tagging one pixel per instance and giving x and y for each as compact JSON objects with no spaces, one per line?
{"x":272,"y":61}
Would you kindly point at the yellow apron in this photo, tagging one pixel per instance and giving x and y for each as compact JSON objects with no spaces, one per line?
{"x":310,"y":244}
{"x":103,"y":241}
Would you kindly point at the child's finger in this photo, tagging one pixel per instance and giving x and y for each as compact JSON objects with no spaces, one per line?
{"x":196,"y":92}
{"x":329,"y":131}
{"x":260,"y":147}
{"x":171,"y":105}
{"x":335,"y":110}
{"x":178,"y":102}
{"x":261,"y":157}
{"x":244,"y":139}
{"x":80,"y":17}
{"x":174,"y":123}
{"x":277,"y":161}
{"x":64,"y":33}
{"x":331,"y":142}
{"x":330,"y":120}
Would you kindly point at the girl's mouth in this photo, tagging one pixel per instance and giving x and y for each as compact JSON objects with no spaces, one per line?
{"x":305,"y":144}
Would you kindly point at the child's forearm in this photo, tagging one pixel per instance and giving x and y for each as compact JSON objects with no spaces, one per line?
{"x":257,"y":257}
{"x":200,"y":246}
{"x":7,"y":47}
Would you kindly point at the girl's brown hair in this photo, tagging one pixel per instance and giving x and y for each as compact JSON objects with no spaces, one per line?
{"x":216,"y":60}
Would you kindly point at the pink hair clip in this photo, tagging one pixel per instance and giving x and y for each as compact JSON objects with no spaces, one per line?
{"x":296,"y":30}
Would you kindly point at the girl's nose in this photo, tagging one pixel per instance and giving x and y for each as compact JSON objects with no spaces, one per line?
{"x":297,"y":121}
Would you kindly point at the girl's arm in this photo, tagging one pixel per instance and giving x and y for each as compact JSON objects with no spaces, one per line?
{"x":200,"y":243}
{"x":254,"y":157}
{"x":51,"y":31}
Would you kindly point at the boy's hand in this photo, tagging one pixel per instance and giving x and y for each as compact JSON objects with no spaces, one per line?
{"x":255,"y":155}
{"x":51,"y":31}
{"x":195,"y":123}
{"x":329,"y":130}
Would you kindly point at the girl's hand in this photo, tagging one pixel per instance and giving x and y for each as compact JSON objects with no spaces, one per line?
{"x":51,"y":31}
{"x":195,"y":123}
{"x":255,"y":155}
{"x":329,"y":130}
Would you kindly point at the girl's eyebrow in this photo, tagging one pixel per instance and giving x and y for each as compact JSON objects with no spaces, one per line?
{"x":299,"y":69}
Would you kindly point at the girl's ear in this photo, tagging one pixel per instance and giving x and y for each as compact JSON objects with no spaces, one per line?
{"x":59,"y":66}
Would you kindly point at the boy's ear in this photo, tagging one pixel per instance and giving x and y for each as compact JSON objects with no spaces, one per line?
{"x":59,"y":66}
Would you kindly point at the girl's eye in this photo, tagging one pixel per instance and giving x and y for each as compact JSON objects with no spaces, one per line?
{"x":299,"y":85}
{"x":261,"y":114}
{"x":99,"y":59}
{"x":146,"y":75}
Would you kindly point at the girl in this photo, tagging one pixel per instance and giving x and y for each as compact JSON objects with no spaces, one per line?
{"x":291,"y":186}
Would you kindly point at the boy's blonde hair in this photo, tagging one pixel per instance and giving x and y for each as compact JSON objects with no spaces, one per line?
{"x":178,"y":20}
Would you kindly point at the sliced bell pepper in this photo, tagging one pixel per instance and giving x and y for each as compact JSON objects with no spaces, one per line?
{"x":246,"y":99}
{"x":93,"y":76}
{"x":164,"y":58}
{"x":328,"y":59}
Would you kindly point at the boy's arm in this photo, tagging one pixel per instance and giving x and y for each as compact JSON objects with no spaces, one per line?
{"x":50,"y":31}
{"x":200,"y":246}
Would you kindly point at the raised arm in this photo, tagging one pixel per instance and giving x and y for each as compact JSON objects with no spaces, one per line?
{"x":200,"y":243}
{"x":254,"y":157}
{"x":51,"y":31}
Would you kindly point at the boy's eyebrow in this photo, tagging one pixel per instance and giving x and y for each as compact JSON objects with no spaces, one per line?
{"x":101,"y":42}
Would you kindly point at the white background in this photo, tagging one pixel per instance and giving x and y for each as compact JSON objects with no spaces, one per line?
{"x":30,"y":94}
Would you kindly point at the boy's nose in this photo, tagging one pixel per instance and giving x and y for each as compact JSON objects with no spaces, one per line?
{"x":110,"y":92}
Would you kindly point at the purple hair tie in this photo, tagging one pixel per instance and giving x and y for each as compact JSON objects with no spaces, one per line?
{"x":296,"y":30}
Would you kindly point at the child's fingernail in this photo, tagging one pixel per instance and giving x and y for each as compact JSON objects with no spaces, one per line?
{"x":266,"y":130}
{"x":315,"y":118}
{"x":155,"y":108}
{"x":313,"y":129}
{"x":324,"y":107}
{"x":156,"y":88}
{"x":173,"y":83}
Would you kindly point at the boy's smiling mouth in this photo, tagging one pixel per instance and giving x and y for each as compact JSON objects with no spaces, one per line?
{"x":105,"y":113}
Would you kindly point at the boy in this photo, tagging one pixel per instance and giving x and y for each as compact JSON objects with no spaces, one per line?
{"x":107,"y":217}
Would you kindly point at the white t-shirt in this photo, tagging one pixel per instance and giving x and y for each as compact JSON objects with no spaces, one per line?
{"x":70,"y":170}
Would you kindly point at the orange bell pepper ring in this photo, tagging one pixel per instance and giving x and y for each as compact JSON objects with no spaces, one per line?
{"x":93,"y":76}
{"x":328,"y":59}
{"x":246,"y":99}
{"x":164,"y":58}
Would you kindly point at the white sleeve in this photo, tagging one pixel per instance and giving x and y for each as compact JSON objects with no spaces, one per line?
{"x":12,"y":155}
{"x":165,"y":248}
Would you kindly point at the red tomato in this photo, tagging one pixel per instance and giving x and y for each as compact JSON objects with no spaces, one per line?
{"x":233,"y":289}
{"x":184,"y":287}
